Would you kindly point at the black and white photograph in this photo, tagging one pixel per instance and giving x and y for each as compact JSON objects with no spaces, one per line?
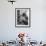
{"x":22,"y":17}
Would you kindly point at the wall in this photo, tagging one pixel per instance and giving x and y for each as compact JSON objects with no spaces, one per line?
{"x":8,"y":31}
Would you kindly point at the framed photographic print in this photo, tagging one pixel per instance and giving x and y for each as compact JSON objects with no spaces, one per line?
{"x":22,"y":17}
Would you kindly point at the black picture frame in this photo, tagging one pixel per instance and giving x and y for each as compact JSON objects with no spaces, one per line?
{"x":17,"y":21}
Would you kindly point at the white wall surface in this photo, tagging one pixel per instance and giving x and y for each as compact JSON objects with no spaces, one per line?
{"x":8,"y":31}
